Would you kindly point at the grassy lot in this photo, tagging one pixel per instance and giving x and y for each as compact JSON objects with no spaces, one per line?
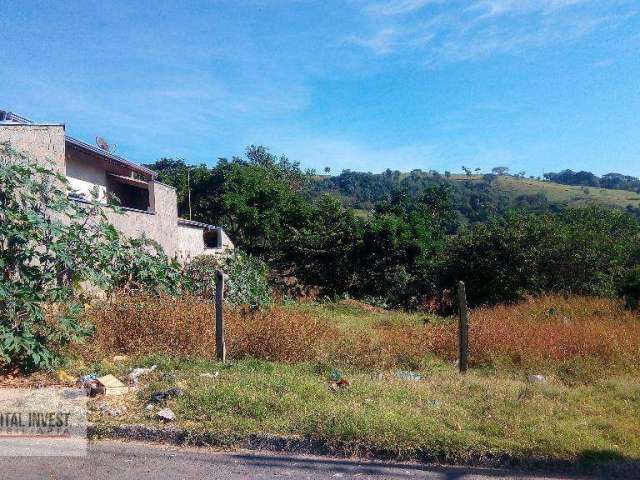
{"x":279,"y":378}
{"x":445,"y":415}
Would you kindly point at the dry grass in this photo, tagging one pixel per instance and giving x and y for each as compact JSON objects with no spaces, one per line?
{"x":185,"y":326}
{"x":545,"y":331}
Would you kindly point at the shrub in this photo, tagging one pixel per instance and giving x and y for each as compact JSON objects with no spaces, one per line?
{"x":46,"y":248}
{"x":583,"y":251}
{"x":549,"y":333}
{"x":631,"y":289}
{"x":185,"y":326}
{"x":246,"y":283}
{"x":50,"y":245}
{"x":131,"y":265}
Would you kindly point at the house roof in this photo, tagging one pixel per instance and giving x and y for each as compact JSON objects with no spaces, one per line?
{"x":193,"y":223}
{"x":13,"y":118}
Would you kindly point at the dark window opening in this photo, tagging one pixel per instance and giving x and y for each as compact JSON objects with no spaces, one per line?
{"x":211,"y":239}
{"x":129,"y":196}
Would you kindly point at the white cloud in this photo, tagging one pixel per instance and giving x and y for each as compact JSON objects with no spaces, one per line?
{"x":471,"y":30}
{"x":338,"y":152}
{"x":495,"y":8}
{"x":398,"y":7}
{"x":604,"y":63}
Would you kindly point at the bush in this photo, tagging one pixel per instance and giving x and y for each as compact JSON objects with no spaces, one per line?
{"x":46,"y":248}
{"x":631,"y":289}
{"x":50,"y":246}
{"x":583,"y":250}
{"x":132,"y":265}
{"x":185,"y":326}
{"x":246,"y":283}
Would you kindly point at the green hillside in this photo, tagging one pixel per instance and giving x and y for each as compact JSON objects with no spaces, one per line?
{"x":566,"y":195}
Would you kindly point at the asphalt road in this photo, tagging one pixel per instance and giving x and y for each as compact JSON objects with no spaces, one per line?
{"x":125,"y":460}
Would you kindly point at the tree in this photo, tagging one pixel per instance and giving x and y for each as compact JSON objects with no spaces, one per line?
{"x":500,"y":170}
{"x":46,"y":242}
{"x":327,"y":170}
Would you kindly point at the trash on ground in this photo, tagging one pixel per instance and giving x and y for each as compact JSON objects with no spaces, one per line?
{"x":161,"y":396}
{"x":166,"y":415}
{"x":342,"y":383}
{"x":537,"y":379}
{"x":408,"y":375}
{"x":120,"y":358}
{"x":64,"y":377}
{"x":112,"y":385}
{"x":111,"y":411}
{"x":210,"y":375}
{"x":134,"y":376}
{"x":336,"y":375}
{"x":84,"y":379}
{"x":149,"y":407}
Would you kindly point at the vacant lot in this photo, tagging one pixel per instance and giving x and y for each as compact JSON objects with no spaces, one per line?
{"x":577,"y":338}
{"x":281,"y":379}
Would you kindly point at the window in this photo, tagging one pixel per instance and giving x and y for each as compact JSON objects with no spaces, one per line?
{"x":130,"y":192}
{"x":211,"y":239}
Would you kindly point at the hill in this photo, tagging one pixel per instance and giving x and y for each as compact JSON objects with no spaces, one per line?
{"x":476,"y":197}
{"x":559,"y":194}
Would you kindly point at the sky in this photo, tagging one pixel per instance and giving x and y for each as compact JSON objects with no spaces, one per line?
{"x":535,"y":85}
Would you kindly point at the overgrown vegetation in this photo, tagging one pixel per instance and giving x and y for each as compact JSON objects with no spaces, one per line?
{"x":47,"y":246}
{"x":278,"y":379}
{"x":422,"y":232}
{"x":247,"y":278}
{"x":551,"y":333}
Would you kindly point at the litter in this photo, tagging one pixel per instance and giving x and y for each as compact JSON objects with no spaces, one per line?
{"x":166,"y":415}
{"x":408,"y":375}
{"x":209,"y":375}
{"x":120,"y":358}
{"x":342,"y":383}
{"x":90,"y":384}
{"x":136,"y":373}
{"x":161,"y":396}
{"x":112,"y":385}
{"x":336,"y":375}
{"x":537,"y":379}
{"x":109,"y":411}
{"x":64,"y":377}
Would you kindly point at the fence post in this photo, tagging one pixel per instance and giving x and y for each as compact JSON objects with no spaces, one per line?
{"x":221,"y":351}
{"x":463,"y":329}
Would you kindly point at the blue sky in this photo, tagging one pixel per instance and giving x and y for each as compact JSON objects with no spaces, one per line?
{"x":536,"y":85}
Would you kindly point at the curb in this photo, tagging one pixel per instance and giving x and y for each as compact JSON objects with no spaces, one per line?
{"x":179,"y":436}
{"x":295,"y":444}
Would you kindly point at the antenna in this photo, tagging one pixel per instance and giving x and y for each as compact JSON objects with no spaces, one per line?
{"x":102,"y":143}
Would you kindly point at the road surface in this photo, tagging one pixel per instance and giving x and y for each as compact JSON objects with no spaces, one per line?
{"x":125,"y":460}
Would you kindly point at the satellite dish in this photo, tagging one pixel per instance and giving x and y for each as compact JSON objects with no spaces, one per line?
{"x":102,"y":143}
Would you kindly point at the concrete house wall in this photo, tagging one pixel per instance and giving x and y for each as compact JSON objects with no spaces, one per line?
{"x":88,"y":170}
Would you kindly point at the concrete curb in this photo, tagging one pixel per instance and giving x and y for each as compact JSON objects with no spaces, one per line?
{"x":179,"y":436}
{"x":295,"y":444}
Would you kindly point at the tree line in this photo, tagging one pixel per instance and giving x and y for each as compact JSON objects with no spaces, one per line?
{"x":405,"y":239}
{"x":614,"y":181}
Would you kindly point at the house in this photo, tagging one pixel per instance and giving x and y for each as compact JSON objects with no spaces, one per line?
{"x":149,"y":207}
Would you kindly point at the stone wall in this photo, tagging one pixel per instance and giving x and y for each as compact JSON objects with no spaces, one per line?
{"x":40,"y":142}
